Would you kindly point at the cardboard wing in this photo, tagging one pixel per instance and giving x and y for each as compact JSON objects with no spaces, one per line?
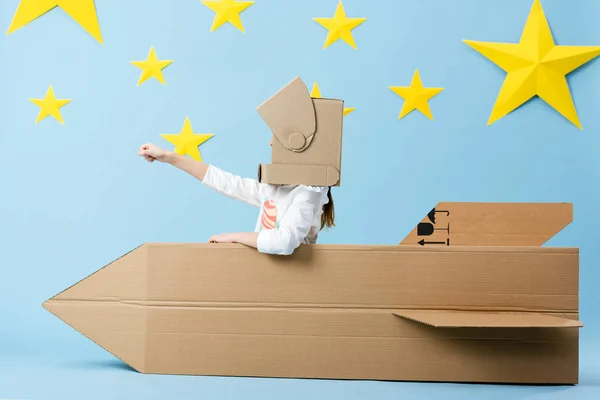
{"x":490,"y":224}
{"x":307,"y":138}
{"x":505,"y":314}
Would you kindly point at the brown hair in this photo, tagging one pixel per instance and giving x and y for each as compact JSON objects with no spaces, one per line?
{"x":328,"y":216}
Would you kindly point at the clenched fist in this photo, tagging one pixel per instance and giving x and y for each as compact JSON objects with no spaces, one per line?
{"x":152,"y":152}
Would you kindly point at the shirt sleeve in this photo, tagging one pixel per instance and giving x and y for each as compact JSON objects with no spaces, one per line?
{"x":243,"y":189}
{"x":294,"y":226}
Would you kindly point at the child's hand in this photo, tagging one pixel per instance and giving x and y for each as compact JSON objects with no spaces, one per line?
{"x":152,"y":152}
{"x":223,"y":238}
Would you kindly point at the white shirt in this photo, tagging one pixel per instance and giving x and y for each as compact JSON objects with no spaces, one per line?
{"x":289,"y":214}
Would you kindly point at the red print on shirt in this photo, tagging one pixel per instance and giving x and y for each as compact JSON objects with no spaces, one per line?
{"x":268,"y":219}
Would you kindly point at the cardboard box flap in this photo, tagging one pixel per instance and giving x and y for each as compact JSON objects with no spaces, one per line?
{"x":490,"y":224}
{"x":291,"y":116}
{"x":289,"y":174}
{"x":473,"y":319}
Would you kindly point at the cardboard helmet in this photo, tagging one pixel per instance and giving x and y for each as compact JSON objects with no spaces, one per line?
{"x":307,"y":138}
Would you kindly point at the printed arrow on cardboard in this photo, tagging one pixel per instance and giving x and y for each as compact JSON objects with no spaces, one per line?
{"x":490,"y":224}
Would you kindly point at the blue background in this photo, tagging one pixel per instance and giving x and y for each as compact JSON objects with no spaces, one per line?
{"x":74,"y":197}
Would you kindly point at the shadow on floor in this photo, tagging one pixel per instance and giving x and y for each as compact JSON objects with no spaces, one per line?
{"x":105,"y":364}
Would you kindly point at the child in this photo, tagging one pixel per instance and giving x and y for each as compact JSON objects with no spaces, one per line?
{"x":290,"y":214}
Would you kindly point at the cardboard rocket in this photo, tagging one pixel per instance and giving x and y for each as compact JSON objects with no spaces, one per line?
{"x":482,"y":301}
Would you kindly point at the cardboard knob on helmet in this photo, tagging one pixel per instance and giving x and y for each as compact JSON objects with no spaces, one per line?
{"x":297,"y":141}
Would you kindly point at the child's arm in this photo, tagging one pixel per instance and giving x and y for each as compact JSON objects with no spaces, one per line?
{"x":293,"y":227}
{"x":292,"y":230}
{"x":246,"y":238}
{"x":235,"y":187}
{"x":196,"y":169}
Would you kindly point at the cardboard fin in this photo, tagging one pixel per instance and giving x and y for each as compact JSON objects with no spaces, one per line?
{"x":490,"y":224}
{"x":472,"y":319}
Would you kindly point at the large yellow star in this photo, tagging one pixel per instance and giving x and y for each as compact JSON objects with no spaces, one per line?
{"x":535,"y":66}
{"x":416,"y":97}
{"x":82,"y":11}
{"x":340,"y":27}
{"x":187,"y":142}
{"x":50,"y":105}
{"x":152,"y":67}
{"x":316,"y":94}
{"x":227,"y":11}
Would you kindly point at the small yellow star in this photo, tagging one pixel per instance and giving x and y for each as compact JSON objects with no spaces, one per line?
{"x":535,"y":67}
{"x":152,"y":67}
{"x":50,"y":105}
{"x":415,"y":96}
{"x":82,"y":11}
{"x":227,"y":11}
{"x":340,"y":27}
{"x":316,"y":94}
{"x":187,"y":142}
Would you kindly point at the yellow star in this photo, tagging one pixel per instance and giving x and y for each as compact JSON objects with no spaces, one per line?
{"x":82,"y":11}
{"x":50,"y":105}
{"x":187,"y":141}
{"x":340,"y":27}
{"x":415,"y":96}
{"x":152,"y":67}
{"x":227,"y":11}
{"x":316,"y":94}
{"x":535,"y":66}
